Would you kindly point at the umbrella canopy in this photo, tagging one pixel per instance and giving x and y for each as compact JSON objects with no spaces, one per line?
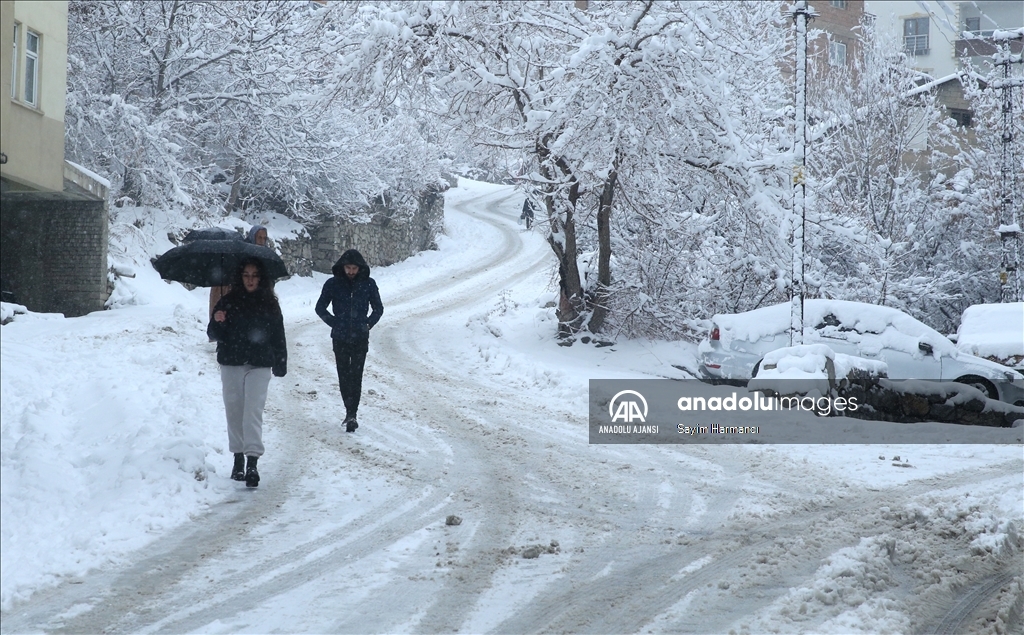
{"x":211,"y":233}
{"x":211,"y":263}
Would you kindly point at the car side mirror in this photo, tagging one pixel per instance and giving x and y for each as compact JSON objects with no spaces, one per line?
{"x":925,"y":348}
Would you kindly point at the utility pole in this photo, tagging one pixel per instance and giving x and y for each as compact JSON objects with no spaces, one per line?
{"x":1010,"y":274}
{"x":801,"y":14}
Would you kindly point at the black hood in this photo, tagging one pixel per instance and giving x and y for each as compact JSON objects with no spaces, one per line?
{"x":351,"y":257}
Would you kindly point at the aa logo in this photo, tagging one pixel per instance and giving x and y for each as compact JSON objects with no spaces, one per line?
{"x":630,"y":408}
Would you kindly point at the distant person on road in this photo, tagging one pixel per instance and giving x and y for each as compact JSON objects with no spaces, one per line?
{"x":527,"y":215}
{"x":352,"y":293}
{"x":249,"y":328}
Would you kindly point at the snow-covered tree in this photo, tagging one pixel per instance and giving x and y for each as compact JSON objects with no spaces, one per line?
{"x":884,"y":177}
{"x":619,"y":114}
{"x":168,"y":96}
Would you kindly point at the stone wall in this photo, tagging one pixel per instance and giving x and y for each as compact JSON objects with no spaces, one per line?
{"x":53,"y":254}
{"x":913,"y":402}
{"x":297,"y":255}
{"x":383,"y":240}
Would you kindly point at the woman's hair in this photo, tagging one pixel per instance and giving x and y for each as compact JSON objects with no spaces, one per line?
{"x":264,"y":294}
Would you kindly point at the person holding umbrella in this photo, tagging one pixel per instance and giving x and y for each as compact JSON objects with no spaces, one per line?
{"x":248,"y":326}
{"x":351,"y":292}
{"x":257,"y":235}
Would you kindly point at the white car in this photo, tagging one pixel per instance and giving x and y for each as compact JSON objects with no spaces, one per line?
{"x":737,"y":343}
{"x":995,"y":332}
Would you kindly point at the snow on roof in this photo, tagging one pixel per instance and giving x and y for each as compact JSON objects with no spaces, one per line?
{"x":927,"y":86}
{"x":89,"y":173}
{"x":992,"y":330}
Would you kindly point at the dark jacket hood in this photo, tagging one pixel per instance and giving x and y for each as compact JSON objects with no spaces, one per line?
{"x":351,"y":257}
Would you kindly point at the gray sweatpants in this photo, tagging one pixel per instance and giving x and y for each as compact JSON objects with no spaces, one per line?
{"x":245,"y":394}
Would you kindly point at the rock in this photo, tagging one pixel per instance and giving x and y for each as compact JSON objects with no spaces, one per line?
{"x":974,"y":405}
{"x":452,"y":520}
{"x":531,"y":552}
{"x":943,"y":411}
{"x":915,"y":405}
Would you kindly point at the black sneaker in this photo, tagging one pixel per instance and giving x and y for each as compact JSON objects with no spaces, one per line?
{"x":350,"y":424}
{"x":238,"y":471}
{"x":252,"y":477}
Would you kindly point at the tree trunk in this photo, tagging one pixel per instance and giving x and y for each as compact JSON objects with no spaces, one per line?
{"x":599,"y":296}
{"x":562,"y":238}
{"x":236,"y":185}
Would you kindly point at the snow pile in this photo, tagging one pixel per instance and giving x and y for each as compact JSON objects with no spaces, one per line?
{"x":10,"y":312}
{"x":994,"y":331}
{"x":106,"y":424}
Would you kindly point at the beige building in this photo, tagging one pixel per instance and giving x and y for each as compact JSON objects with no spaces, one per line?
{"x":53,"y":214}
{"x":937,"y":34}
{"x":33,"y":76}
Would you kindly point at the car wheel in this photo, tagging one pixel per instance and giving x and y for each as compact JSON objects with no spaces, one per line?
{"x":981,"y":384}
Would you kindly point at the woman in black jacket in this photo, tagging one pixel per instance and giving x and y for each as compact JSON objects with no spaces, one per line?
{"x":249,"y":328}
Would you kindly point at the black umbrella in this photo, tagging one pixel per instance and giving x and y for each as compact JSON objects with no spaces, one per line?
{"x":211,"y":233}
{"x":211,"y":263}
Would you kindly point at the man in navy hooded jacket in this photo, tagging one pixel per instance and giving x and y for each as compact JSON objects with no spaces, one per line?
{"x":351,"y":292}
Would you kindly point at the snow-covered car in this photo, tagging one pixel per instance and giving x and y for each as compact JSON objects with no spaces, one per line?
{"x":737,"y":343}
{"x":995,"y":332}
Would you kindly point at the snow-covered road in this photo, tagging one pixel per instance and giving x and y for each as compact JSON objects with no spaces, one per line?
{"x":348,"y":532}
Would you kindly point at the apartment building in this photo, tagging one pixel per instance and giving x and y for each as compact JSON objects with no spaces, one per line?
{"x":53,"y":214}
{"x":940,"y":36}
{"x":840,"y":23}
{"x":937,"y":34}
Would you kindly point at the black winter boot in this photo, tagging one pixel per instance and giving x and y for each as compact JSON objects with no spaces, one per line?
{"x":351,"y":424}
{"x":252,"y":477}
{"x":238,"y":471}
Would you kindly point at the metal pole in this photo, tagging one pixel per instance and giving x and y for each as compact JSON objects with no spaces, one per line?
{"x":1010,"y":282}
{"x":799,"y":216}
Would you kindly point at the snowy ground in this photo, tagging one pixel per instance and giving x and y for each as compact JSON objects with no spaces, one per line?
{"x":118,"y":515}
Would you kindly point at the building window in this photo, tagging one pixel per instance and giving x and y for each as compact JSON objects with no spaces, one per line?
{"x":31,"y":95}
{"x":962,"y":117}
{"x":839,"y":4}
{"x":836,"y":54}
{"x":915,"y":36}
{"x":973,"y":26}
{"x":14,"y":65}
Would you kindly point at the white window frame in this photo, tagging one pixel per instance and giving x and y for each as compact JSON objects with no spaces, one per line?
{"x":917,"y":43}
{"x":32,"y":69}
{"x":836,"y":53}
{"x":14,"y":62}
{"x":839,"y":4}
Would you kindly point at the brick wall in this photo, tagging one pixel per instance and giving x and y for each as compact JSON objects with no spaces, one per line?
{"x":53,"y":254}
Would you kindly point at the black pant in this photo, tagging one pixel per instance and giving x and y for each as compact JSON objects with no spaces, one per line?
{"x":350,"y":357}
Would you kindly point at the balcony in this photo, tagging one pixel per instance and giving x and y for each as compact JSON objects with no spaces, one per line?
{"x":981,"y":44}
